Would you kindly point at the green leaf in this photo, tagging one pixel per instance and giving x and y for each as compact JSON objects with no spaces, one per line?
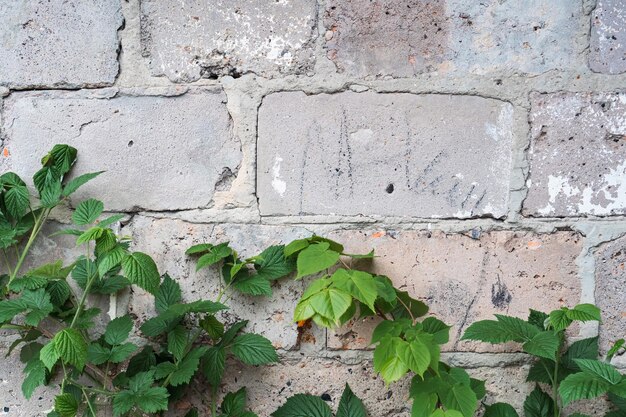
{"x":122,"y":352}
{"x":16,"y":200}
{"x":49,"y":355}
{"x":331,"y":303}
{"x":200,"y":248}
{"x":272,"y":264}
{"x":110,"y":260}
{"x":78,"y":182}
{"x":302,"y":405}
{"x":71,"y":347}
{"x":599,"y":370}
{"x":234,"y":329}
{"x":10,"y":309}
{"x":316,"y":258}
{"x":461,"y":398}
{"x":559,"y":319}
{"x":59,"y":292}
{"x":141,"y":362}
{"x":51,"y":194}
{"x":188,"y":367}
{"x":36,"y":377}
{"x":538,"y":404}
{"x":489,"y":331}
{"x":141,"y":270}
{"x":110,"y":220}
{"x":112,"y":285}
{"x":177,"y":342}
{"x":584,"y":312}
{"x":387,"y":360}
{"x":98,"y":354}
{"x":369,"y":255}
{"x":439,"y":330}
{"x":91,"y":234}
{"x":614,"y":349}
{"x":544,"y":345}
{"x":213,"y":327}
{"x":118,"y":329}
{"x":213,"y":365}
{"x":581,"y":386}
{"x":582,"y":349}
{"x":359,"y":285}
{"x":408,"y":307}
{"x":167,"y":295}
{"x":87,"y":212}
{"x":66,"y":405}
{"x":350,"y":405}
{"x":416,"y":354}
{"x":253,"y":285}
{"x":500,"y":410}
{"x":63,"y":157}
{"x":296,"y":246}
{"x":234,"y":403}
{"x":254,"y":349}
{"x":38,"y":302}
{"x":216,"y":254}
{"x":521,"y":330}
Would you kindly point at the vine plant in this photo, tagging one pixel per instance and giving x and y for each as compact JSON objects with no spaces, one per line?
{"x":570,"y":373}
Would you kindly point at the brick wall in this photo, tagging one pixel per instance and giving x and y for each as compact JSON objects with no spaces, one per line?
{"x":478,"y":147}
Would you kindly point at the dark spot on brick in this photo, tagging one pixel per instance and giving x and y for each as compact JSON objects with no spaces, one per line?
{"x":326,"y":397}
{"x":500,"y":295}
{"x":389,"y":189}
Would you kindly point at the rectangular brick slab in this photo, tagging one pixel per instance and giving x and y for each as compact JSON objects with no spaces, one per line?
{"x":160,"y":152}
{"x":384,"y":154}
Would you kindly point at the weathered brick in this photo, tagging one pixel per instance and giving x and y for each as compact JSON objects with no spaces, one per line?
{"x":384,"y":154}
{"x":188,"y":41}
{"x":464,"y":279}
{"x":12,"y":402}
{"x":610,"y":277}
{"x":167,"y":241}
{"x":577,"y":154}
{"x":608,"y":37}
{"x":59,"y":43}
{"x":402,"y":38}
{"x":160,"y":152}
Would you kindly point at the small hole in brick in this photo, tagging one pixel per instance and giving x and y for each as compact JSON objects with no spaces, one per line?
{"x":389,"y":189}
{"x":130,"y":143}
{"x":5,"y":409}
{"x":326,"y":397}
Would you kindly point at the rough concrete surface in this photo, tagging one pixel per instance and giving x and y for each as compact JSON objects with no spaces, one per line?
{"x":465,"y":279}
{"x":385,"y":154}
{"x":577,"y":155}
{"x":59,"y":43}
{"x":476,"y":145}
{"x":402,"y":38}
{"x":160,"y":152}
{"x":188,"y":41}
{"x":608,"y":37}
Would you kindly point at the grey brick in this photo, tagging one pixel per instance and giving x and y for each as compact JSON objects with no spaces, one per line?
{"x":578,"y":148}
{"x":384,"y":154}
{"x":608,"y":37}
{"x":160,"y":152}
{"x":59,"y":43}
{"x":188,"y":41}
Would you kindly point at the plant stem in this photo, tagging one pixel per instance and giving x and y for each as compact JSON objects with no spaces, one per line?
{"x":213,"y":401}
{"x":555,"y":387}
{"x":31,"y":239}
{"x":83,"y":299}
{"x":7,"y":263}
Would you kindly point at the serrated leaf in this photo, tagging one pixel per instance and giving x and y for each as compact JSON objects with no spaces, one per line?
{"x":302,"y":405}
{"x":50,"y":194}
{"x":78,"y":182}
{"x":461,"y":398}
{"x":71,"y":347}
{"x":36,"y":376}
{"x":90,"y":234}
{"x":215,"y":254}
{"x":544,"y":345}
{"x":63,"y":157}
{"x":141,"y":270}
{"x":213,"y":365}
{"x":582,"y":349}
{"x":10,"y":308}
{"x":110,"y":220}
{"x":168,"y":294}
{"x":439,"y":330}
{"x":538,"y":404}
{"x":252,"y":285}
{"x":489,"y":331}
{"x":98,"y":354}
{"x":38,"y":302}
{"x":111,"y":259}
{"x":87,"y":212}
{"x":500,"y":410}
{"x":30,"y":351}
{"x":200,"y":248}
{"x":614,"y":349}
{"x":315,"y":258}
{"x":295,"y":247}
{"x":521,"y":330}
{"x":213,"y":327}
{"x":49,"y":355}
{"x":234,"y":403}
{"x":331,"y":303}
{"x":360,"y":285}
{"x":581,"y":386}
{"x":66,"y":405}
{"x":118,"y":329}
{"x":600,"y":370}
{"x":584,"y":312}
{"x":415,"y":354}
{"x":188,"y":367}
{"x":141,"y":362}
{"x":559,"y":319}
{"x":272,"y":264}
{"x":254,"y":349}
{"x":59,"y":292}
{"x":16,"y":200}
{"x":112,"y":285}
{"x":177,"y":342}
{"x":350,"y":405}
